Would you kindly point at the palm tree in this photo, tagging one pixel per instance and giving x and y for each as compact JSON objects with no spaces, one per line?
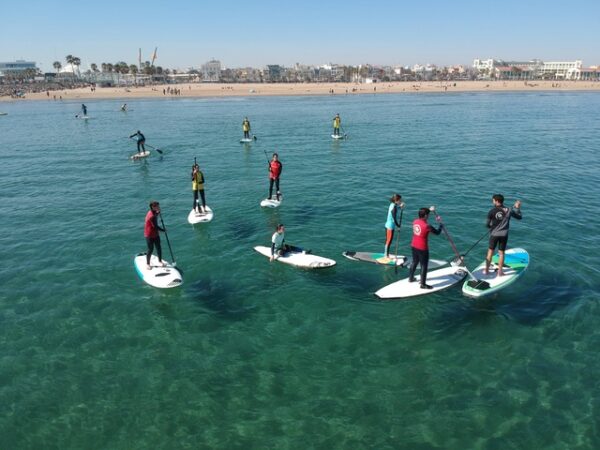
{"x":134,"y":70}
{"x":94,"y":67}
{"x":57,"y":65}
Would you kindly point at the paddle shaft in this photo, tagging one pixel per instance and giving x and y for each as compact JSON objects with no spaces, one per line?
{"x":162,"y":222}
{"x":398,"y":240}
{"x":459,"y":256}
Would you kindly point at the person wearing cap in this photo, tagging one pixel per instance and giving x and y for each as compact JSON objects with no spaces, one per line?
{"x":246,"y":128}
{"x":151,"y":229}
{"x":498,"y":221}
{"x":420,"y":246}
{"x":141,"y":139}
{"x":337,"y":123}
{"x":198,"y":188}
{"x":393,"y":221}
{"x":275,"y":169}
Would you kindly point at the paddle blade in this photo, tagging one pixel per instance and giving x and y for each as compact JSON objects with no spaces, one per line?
{"x":159,"y":150}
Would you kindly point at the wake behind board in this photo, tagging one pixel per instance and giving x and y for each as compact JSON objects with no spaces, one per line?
{"x":438,"y":279}
{"x":140,"y":155}
{"x":271,"y":202}
{"x":158,"y":276}
{"x":516,"y":261}
{"x":196,"y":217}
{"x":298,"y":259}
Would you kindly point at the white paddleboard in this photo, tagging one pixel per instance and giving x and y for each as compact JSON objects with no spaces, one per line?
{"x":516,"y":262}
{"x":272,"y":202}
{"x":196,"y":217}
{"x":3,"y":114}
{"x":140,"y":155}
{"x":393,"y":260}
{"x":84,"y":117}
{"x":298,"y":259}
{"x":439,"y":280}
{"x":339,"y":136}
{"x":246,"y":140}
{"x":158,"y":276}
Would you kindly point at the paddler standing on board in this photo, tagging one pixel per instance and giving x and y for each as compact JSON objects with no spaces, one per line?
{"x":337,"y":123}
{"x":498,"y":220}
{"x":275,"y":169}
{"x":141,"y":139}
{"x":393,"y":221}
{"x":420,"y":246}
{"x":151,"y":229}
{"x":198,"y":188}
{"x":246,"y":128}
{"x":84,"y":110}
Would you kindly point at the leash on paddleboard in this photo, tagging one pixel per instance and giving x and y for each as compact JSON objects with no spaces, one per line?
{"x":162,"y":222}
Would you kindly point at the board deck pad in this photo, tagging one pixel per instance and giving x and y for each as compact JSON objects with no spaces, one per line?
{"x":159,"y":276}
{"x":439,"y":280}
{"x":516,"y":262}
{"x":305,"y":260}
{"x":195,"y":217}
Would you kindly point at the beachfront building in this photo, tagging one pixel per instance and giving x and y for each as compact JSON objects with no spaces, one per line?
{"x":513,"y":73}
{"x":557,"y":70}
{"x":211,"y":71}
{"x":584,"y":74}
{"x":13,"y":67}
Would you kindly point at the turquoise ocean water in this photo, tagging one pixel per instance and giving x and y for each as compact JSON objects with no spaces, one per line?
{"x":249,"y":354}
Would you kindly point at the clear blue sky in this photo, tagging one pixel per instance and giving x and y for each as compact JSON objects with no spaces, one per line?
{"x":255,"y":33}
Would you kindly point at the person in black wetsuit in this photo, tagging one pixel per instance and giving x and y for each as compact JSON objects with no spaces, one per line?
{"x":141,"y":139}
{"x":84,"y":109}
{"x":498,"y":221}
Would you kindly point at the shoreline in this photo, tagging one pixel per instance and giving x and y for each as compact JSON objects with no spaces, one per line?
{"x":217,"y":90}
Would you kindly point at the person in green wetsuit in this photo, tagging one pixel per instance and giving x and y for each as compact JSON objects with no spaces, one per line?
{"x":246,"y":128}
{"x":337,"y":123}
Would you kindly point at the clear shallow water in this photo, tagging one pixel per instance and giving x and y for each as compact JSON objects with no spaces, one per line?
{"x":248,"y":354}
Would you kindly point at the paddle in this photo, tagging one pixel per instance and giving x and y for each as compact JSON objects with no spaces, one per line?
{"x":459,"y":260}
{"x":169,"y":243}
{"x":398,"y":237}
{"x":344,"y":131}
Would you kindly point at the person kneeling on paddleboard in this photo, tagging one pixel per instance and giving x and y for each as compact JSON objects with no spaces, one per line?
{"x":392,"y":222}
{"x":420,"y":246}
{"x":198,"y":188}
{"x":275,"y":169}
{"x":498,"y":221}
{"x":141,"y":139}
{"x":151,"y":229}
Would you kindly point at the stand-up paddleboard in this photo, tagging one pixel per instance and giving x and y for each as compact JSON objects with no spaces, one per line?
{"x":83,"y":117}
{"x":3,"y":114}
{"x":140,"y":155}
{"x":438,"y":279}
{"x":196,"y":217}
{"x":376,"y":258}
{"x":516,"y":261}
{"x":247,"y":140}
{"x":298,"y":258}
{"x":338,"y":136}
{"x":158,"y":276}
{"x":272,"y":202}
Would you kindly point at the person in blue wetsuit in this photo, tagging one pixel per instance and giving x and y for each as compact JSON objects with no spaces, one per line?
{"x":141,"y":139}
{"x":393,"y":221}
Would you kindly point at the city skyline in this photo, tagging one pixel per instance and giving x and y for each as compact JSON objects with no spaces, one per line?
{"x":241,"y":35}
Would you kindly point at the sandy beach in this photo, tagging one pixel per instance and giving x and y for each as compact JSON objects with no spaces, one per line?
{"x":231,"y":90}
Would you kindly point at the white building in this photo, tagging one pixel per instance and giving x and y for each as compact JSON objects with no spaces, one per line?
{"x":211,"y":71}
{"x":559,"y":69}
{"x":16,"y":66}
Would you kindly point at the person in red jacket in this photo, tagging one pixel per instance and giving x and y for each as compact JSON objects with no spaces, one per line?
{"x":420,"y":247}
{"x":151,"y":229}
{"x":275,"y":169}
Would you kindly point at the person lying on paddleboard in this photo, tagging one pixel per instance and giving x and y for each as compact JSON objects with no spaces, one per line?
{"x":498,"y":221}
{"x":151,"y":229}
{"x":275,"y":169}
{"x":392,"y":222}
{"x":141,"y":139}
{"x":420,"y":246}
{"x":246,"y":128}
{"x":198,"y":188}
{"x":337,"y":122}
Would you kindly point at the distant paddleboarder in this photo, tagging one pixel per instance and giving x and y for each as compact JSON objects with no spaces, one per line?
{"x":393,"y":221}
{"x":124,"y":107}
{"x":198,"y":188}
{"x":141,"y":139}
{"x":498,"y":221}
{"x":246,"y":128}
{"x":337,"y":123}
{"x":420,"y":246}
{"x":83,"y":110}
{"x":151,"y":229}
{"x":275,"y":169}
